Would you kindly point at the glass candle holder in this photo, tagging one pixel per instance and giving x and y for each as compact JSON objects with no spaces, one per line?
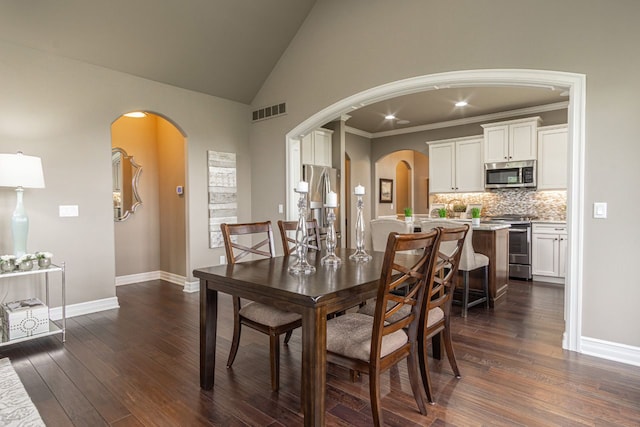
{"x":360,"y":254}
{"x":301,"y":265}
{"x":331,"y":241}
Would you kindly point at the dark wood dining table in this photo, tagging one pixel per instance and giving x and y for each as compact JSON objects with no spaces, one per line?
{"x":268,"y":281}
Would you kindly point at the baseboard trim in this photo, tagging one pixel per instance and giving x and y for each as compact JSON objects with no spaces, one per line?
{"x":137,"y":278}
{"x":191,"y":287}
{"x":73,"y":310}
{"x":173,"y":278}
{"x":176,"y":279}
{"x":611,"y":350}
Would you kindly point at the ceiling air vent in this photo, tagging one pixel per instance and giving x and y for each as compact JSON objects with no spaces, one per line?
{"x":269,"y":112}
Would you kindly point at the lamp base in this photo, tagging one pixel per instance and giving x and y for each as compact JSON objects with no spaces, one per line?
{"x":19,"y":226}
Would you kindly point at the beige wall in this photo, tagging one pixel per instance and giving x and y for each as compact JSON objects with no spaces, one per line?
{"x":172,"y":209}
{"x":62,"y":111}
{"x":592,"y":37}
{"x":359,"y":150}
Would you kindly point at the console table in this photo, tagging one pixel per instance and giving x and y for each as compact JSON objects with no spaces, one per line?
{"x":53,"y":327}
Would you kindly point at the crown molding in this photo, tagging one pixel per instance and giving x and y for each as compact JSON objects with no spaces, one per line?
{"x":460,"y":122}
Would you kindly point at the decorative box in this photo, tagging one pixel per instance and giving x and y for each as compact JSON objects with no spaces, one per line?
{"x":24,"y":318}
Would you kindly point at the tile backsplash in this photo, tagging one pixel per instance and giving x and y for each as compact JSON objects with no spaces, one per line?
{"x":546,"y":205}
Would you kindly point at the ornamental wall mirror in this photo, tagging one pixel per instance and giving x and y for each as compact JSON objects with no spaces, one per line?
{"x":126,"y":174}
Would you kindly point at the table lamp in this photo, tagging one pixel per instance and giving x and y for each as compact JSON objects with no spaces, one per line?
{"x":20,"y":171}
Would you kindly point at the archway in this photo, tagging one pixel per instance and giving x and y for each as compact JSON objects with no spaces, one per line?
{"x":151,"y":243}
{"x":574,"y":83}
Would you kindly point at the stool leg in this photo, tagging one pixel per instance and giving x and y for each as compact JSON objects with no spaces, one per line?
{"x":486,"y":284}
{"x":465,"y":293}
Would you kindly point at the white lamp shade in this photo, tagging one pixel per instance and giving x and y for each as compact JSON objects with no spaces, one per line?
{"x":18,"y":170}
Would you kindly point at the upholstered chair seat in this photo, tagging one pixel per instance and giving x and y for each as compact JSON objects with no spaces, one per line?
{"x":268,"y":315}
{"x":351,"y":333}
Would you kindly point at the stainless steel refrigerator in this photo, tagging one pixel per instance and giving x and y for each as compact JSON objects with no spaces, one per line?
{"x":322,"y":180}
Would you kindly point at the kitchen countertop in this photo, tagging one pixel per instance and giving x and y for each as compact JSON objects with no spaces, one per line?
{"x":484,"y":225}
{"x":548,"y":221}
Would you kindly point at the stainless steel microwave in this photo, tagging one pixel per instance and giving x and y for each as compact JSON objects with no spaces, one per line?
{"x":510,"y":174}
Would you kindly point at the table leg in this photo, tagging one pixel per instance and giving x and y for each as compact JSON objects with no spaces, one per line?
{"x":314,"y":365}
{"x":208,"y":330}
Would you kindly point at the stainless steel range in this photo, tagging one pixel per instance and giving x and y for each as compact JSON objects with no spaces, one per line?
{"x":519,"y":244}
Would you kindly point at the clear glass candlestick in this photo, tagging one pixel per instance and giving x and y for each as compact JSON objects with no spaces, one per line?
{"x":301,"y":266}
{"x":360,"y":254}
{"x":331,"y":258}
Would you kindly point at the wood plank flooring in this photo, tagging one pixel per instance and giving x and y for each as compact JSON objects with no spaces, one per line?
{"x":138,"y":366}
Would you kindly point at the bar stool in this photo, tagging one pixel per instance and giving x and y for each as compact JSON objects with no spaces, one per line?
{"x":469,"y":261}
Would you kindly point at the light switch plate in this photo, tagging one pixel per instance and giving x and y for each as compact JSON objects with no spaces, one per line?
{"x":280,"y":208}
{"x":68,"y":210}
{"x":600,"y":210}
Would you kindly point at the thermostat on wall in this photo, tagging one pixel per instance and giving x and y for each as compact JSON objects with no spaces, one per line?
{"x":179,"y":190}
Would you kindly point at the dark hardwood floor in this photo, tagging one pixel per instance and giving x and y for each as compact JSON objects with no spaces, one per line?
{"x":138,"y":366}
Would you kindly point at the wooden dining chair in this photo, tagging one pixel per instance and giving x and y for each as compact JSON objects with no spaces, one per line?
{"x":436,"y":311}
{"x":288,"y":238}
{"x":375,"y":343}
{"x":263,"y":318}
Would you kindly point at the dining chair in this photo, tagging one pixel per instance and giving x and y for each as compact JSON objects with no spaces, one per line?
{"x":263,"y":318}
{"x":436,"y":311}
{"x":289,"y":241}
{"x":381,"y":227}
{"x":375,"y":343}
{"x":470,"y":260}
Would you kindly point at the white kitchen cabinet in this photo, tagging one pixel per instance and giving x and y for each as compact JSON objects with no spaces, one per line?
{"x":549,"y":251}
{"x":316,"y":147}
{"x":513,"y":140}
{"x":552,"y":157}
{"x":455,"y":165}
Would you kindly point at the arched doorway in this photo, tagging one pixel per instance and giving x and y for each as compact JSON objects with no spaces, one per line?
{"x":151,"y":243}
{"x":574,"y":83}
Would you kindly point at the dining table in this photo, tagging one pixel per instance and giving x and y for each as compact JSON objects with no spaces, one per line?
{"x":328,"y":290}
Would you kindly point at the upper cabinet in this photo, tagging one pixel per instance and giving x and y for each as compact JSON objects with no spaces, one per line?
{"x":316,"y":147}
{"x":552,"y":157}
{"x":455,"y":165}
{"x":512,"y":140}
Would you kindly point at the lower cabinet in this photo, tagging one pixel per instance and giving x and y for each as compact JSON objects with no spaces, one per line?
{"x":549,"y":252}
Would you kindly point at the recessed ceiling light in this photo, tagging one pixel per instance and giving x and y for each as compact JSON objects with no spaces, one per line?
{"x":136,"y":114}
{"x":390,"y":117}
{"x":461,"y":103}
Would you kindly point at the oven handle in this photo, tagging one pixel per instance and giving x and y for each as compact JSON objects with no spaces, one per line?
{"x":518,"y":230}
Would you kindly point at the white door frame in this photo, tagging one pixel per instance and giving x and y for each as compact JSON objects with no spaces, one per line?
{"x":575,"y":83}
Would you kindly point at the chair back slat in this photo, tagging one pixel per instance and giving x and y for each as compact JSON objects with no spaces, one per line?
{"x":453,"y":238}
{"x":237,"y":251}
{"x":289,"y":241}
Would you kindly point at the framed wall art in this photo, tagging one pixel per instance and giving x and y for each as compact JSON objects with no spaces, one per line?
{"x":386,"y":190}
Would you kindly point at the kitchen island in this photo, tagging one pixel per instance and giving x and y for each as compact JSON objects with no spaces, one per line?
{"x":492,"y":240}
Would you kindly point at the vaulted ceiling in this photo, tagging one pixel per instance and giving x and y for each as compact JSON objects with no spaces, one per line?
{"x":225,"y":48}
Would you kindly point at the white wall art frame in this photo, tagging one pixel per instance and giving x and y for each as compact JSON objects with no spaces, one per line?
{"x":223,"y":194}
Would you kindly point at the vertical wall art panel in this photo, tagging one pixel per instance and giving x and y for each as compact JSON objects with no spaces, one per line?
{"x":223,"y":194}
